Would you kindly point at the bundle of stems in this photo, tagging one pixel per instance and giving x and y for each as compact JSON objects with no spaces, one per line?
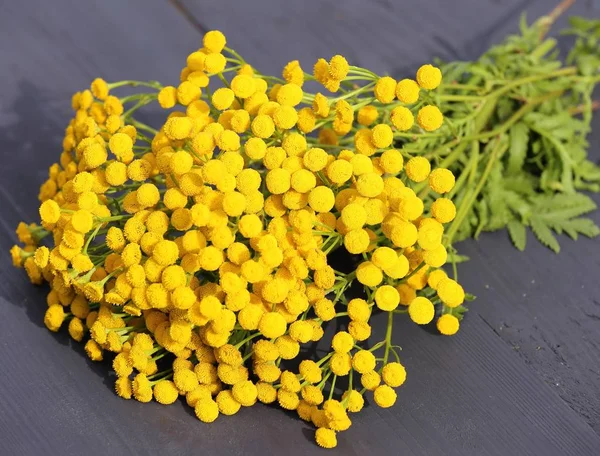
{"x":516,"y":122}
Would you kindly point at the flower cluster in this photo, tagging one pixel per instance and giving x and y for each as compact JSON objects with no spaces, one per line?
{"x":197,"y":255}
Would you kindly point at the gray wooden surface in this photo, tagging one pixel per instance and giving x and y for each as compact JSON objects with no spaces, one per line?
{"x":521,"y":378}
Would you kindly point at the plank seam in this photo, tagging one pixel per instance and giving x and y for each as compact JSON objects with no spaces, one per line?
{"x":188,"y":16}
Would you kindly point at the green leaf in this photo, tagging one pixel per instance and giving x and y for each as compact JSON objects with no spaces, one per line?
{"x":519,"y":139}
{"x":523,"y":26}
{"x":544,"y":234}
{"x":561,"y":213}
{"x":581,"y":225}
{"x":459,"y":311}
{"x":588,"y":64}
{"x":557,"y":208}
{"x":518,"y":234}
{"x":457,"y":258}
{"x":582,"y":24}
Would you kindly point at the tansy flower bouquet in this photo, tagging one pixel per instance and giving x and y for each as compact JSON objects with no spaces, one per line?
{"x":197,"y":255}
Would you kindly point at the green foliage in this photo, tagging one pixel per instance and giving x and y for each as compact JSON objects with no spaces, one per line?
{"x":515,"y":137}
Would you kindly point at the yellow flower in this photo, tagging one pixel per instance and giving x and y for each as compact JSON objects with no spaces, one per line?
{"x":382,"y":136}
{"x":50,"y":211}
{"x":278,"y":181}
{"x":418,"y":168}
{"x":385,"y":89}
{"x":214,"y":41}
{"x":288,"y":348}
{"x":99,"y":88}
{"x":384,"y":396}
{"x":320,"y":105}
{"x":206,"y":410}
{"x":272,"y":325}
{"x":325,"y":438}
{"x":289,"y":381}
{"x":402,"y":118}
{"x":393,"y":374}
{"x":289,"y":95}
{"x":354,"y":401}
{"x":263,"y":126}
{"x":368,"y":274}
{"x":306,"y":120}
{"x":363,"y":361}
{"x":123,"y":387}
{"x":387,"y":298}
{"x":430,"y":118}
{"x":243,"y":86}
{"x":228,"y":405}
{"x":421,"y":310}
{"x":167,"y":97}
{"x":429,"y":77}
{"x":148,"y":195}
{"x":435,"y":257}
{"x":367,"y":115}
{"x":407,"y":91}
{"x":41,"y":256}
{"x":222,"y":98}
{"x":185,"y":380}
{"x":245,"y":392}
{"x":441,"y":180}
{"x":450,"y":292}
{"x":287,"y":400}
{"x":54,"y":317}
{"x":339,"y":171}
{"x":285,"y":117}
{"x":292,"y":73}
{"x":266,"y":393}
{"x":430,"y":234}
{"x":370,"y":185}
{"x":93,"y":350}
{"x":370,"y":380}
{"x":447,"y":324}
{"x":342,"y":342}
{"x":357,"y":241}
{"x":121,"y":146}
{"x":165,"y":252}
{"x":188,"y":92}
{"x":338,"y":67}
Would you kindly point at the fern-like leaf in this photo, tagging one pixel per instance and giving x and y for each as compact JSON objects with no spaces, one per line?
{"x":544,"y":234}
{"x":518,"y":234}
{"x":561,"y":213}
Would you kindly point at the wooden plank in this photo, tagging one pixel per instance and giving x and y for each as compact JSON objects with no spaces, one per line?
{"x":385,"y":36}
{"x":466,"y":395}
{"x":546,"y":307}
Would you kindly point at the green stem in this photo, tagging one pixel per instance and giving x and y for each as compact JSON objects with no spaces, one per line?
{"x":151,"y":84}
{"x":332,"y":386}
{"x":388,"y":337}
{"x":466,"y":206}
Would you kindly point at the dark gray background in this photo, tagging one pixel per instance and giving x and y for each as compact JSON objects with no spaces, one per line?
{"x":521,"y":378}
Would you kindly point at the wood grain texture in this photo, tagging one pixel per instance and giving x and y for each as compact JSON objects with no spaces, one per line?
{"x":473,"y":394}
{"x":386,"y":36}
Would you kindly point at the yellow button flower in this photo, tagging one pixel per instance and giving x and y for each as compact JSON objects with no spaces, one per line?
{"x":421,"y":310}
{"x":407,"y":91}
{"x":430,"y":118}
{"x":385,"y":89}
{"x":418,"y":169}
{"x":429,"y":77}
{"x":450,"y":292}
{"x":402,"y":118}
